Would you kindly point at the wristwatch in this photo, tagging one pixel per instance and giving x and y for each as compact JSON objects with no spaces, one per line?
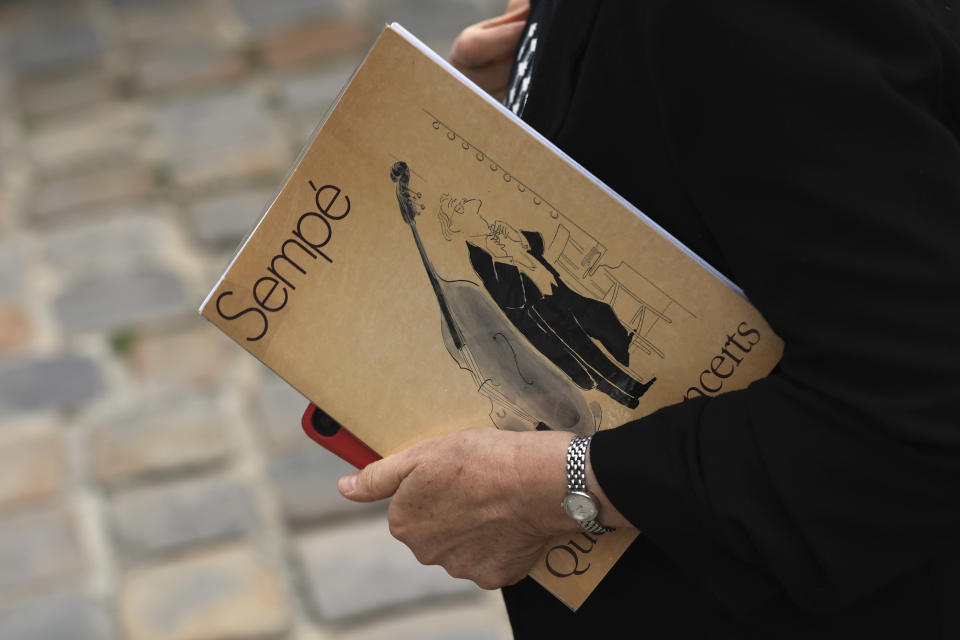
{"x":580,"y":503}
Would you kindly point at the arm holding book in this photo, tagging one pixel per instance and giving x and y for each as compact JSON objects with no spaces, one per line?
{"x":481,"y":503}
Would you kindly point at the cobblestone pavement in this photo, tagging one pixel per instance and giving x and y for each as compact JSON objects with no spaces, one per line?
{"x":154,"y":482}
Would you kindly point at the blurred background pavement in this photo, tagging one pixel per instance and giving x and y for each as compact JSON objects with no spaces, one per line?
{"x":154,"y":481}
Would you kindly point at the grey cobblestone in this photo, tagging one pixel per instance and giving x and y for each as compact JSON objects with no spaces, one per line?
{"x":195,"y":65}
{"x":456,"y":623}
{"x":44,"y":96}
{"x":307,"y":98}
{"x":12,"y":269}
{"x":227,"y":594}
{"x":200,"y":358}
{"x":138,"y":4}
{"x":53,"y":46}
{"x":98,"y":187}
{"x":118,"y":241}
{"x":48,"y":382}
{"x":93,"y":138}
{"x":312,"y":41}
{"x":357,"y":571}
{"x":223,"y":135}
{"x":70,"y":615}
{"x":39,"y":547}
{"x":226,"y":218}
{"x":109,"y":299}
{"x":32,"y":463}
{"x":158,"y":441}
{"x":160,"y":26}
{"x":279,"y":407}
{"x":310,"y":95}
{"x":438,"y":18}
{"x":162,"y":518}
{"x":260,"y":16}
{"x":305,"y":482}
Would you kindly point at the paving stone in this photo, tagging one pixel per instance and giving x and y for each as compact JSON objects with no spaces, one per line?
{"x":359,"y":569}
{"x":32,"y":464}
{"x":220,"y":136}
{"x":280,"y":407}
{"x":48,"y":382}
{"x":162,"y":518}
{"x":46,"y":95}
{"x":261,"y":16}
{"x":118,"y":241}
{"x":72,"y":615}
{"x":12,"y":270}
{"x":54,"y":45}
{"x":17,"y":328}
{"x":307,"y":98}
{"x":96,"y":187}
{"x":305,"y":482}
{"x":139,"y":4}
{"x":226,"y":218}
{"x":19,"y":15}
{"x":94,"y":138}
{"x":158,"y":441}
{"x":451,"y":623}
{"x":149,"y":24}
{"x":190,"y":65}
{"x":230,"y":594}
{"x":38,"y":547}
{"x":310,"y":95}
{"x":429,"y":19}
{"x":109,"y":299}
{"x":313,"y":41}
{"x":199,"y":357}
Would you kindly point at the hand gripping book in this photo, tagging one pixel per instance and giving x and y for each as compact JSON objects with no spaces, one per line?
{"x":431,"y":263}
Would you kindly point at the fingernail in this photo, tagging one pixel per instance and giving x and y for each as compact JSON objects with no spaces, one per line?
{"x":347,"y":484}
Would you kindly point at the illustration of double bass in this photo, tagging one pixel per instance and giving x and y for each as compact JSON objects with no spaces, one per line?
{"x":525,"y":389}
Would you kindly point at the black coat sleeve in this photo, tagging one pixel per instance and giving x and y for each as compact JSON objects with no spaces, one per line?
{"x":819,"y":142}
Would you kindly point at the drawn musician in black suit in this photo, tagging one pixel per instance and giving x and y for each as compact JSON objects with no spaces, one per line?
{"x":558,"y":321}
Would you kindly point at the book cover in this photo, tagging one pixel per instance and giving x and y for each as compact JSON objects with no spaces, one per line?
{"x":432,"y":264}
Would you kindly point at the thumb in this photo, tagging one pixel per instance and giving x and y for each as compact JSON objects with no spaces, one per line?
{"x":376,"y":481}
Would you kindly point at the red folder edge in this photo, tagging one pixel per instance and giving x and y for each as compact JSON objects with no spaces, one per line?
{"x":337,"y":439}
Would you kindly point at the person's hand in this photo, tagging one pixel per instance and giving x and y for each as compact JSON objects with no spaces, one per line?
{"x":482,"y":503}
{"x":484,"y":51}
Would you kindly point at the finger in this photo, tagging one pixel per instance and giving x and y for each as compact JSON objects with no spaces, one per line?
{"x":518,"y":5}
{"x":376,"y":481}
{"x":516,"y":13}
{"x":493,"y":77}
{"x":487,"y":44}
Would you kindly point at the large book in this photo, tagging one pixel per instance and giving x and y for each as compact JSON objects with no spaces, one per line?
{"x":431,"y":263}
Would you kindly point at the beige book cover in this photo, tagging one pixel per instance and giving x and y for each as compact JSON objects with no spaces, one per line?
{"x":431,"y":263}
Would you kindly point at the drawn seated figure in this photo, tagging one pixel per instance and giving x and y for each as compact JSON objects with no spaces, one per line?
{"x":560,"y":323}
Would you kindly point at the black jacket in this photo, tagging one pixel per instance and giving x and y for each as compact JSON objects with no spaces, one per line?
{"x":810,"y":150}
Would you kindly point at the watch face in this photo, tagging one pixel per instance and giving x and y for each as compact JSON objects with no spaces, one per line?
{"x":580,"y":507}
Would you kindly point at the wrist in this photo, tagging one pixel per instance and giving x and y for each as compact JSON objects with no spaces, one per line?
{"x":540,"y":464}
